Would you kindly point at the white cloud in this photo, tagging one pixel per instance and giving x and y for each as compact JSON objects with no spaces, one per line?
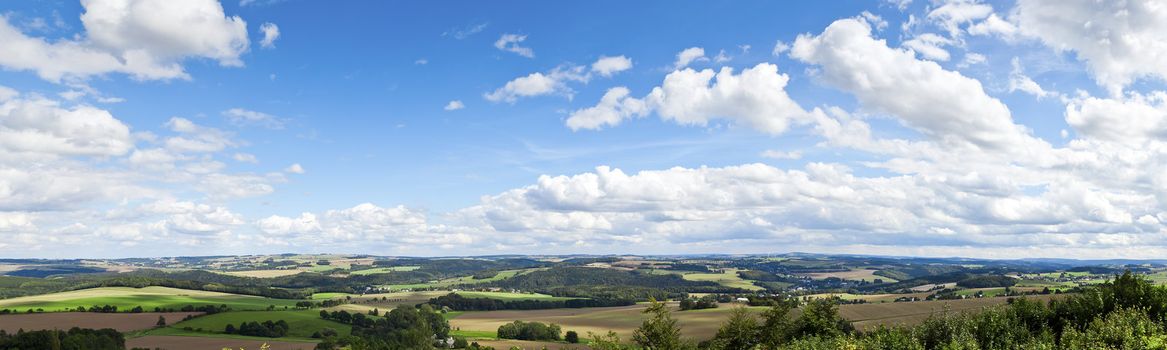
{"x":607,"y":66}
{"x":40,"y":126}
{"x":271,"y":32}
{"x":755,"y":98}
{"x":244,"y":117}
{"x":1134,"y":119}
{"x":775,"y":154}
{"x":952,"y":14}
{"x":930,"y":46}
{"x":614,"y":107}
{"x":722,"y":57}
{"x":146,"y":39}
{"x":454,"y":105}
{"x":294,"y":169}
{"x":689,"y":55}
{"x":1018,"y":81}
{"x":466,"y":31}
{"x":994,"y":25}
{"x":245,"y":158}
{"x":194,"y":138}
{"x":421,"y":62}
{"x":780,"y":47}
{"x":1119,"y":41}
{"x":539,"y":84}
{"x":940,"y":103}
{"x":510,"y":43}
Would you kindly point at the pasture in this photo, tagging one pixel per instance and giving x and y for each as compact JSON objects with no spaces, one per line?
{"x":264,"y":273}
{"x":377,"y":270}
{"x":148,"y":298}
{"x":301,"y":323}
{"x":467,"y":280}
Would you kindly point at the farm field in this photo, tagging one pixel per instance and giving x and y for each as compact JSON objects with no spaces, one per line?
{"x":172,"y":342}
{"x":510,"y":296}
{"x":123,"y":322}
{"x":854,"y":275}
{"x":302,"y":323}
{"x":702,"y":324}
{"x":728,"y":278}
{"x":148,"y":298}
{"x":871,"y":298}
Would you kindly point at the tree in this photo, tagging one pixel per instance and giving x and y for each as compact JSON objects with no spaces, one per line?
{"x":571,"y":337}
{"x":660,"y":330}
{"x":609,"y":341}
{"x":230,"y":329}
{"x":739,"y":332}
{"x":161,"y":321}
{"x":820,"y":317}
{"x":776,"y":326}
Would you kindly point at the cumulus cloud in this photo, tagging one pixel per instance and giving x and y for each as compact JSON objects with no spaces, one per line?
{"x":41,"y":126}
{"x":553,"y":82}
{"x":755,"y":98}
{"x":510,"y":43}
{"x":147,"y":39}
{"x":607,"y":66}
{"x":454,"y":105}
{"x":1018,"y":81}
{"x":271,"y":32}
{"x":689,"y":55}
{"x":940,"y":103}
{"x":1120,"y":42}
{"x":1134,"y":119}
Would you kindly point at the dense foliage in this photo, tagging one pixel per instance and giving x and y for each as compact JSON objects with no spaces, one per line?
{"x":987,"y":282}
{"x":458,"y":302}
{"x":597,"y":283}
{"x":705,"y":302}
{"x":256,"y":329}
{"x":73,"y":339}
{"x":529,"y":331}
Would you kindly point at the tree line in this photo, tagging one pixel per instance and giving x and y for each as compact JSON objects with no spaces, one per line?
{"x":457,"y":302}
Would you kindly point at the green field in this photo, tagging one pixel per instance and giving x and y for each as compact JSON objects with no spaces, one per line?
{"x":475,"y":334}
{"x":301,"y":323}
{"x":148,"y":298}
{"x":728,"y":278}
{"x":326,"y":296}
{"x":378,"y":270}
{"x":206,"y":334}
{"x":427,"y":295}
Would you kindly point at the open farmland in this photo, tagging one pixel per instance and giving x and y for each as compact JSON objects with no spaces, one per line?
{"x":172,"y":342}
{"x":728,"y":278}
{"x":123,"y":322}
{"x":148,"y":298}
{"x":468,"y":280}
{"x":854,"y":275}
{"x":377,"y":270}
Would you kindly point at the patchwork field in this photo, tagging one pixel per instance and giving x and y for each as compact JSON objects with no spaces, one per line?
{"x":728,"y":278}
{"x":702,"y":324}
{"x":854,"y":275}
{"x":202,"y":343}
{"x":148,"y":298}
{"x":123,"y":322}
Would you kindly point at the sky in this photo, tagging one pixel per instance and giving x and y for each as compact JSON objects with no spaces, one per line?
{"x":993,"y":129}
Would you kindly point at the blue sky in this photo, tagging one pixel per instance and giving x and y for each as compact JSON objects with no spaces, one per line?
{"x":912,"y":128}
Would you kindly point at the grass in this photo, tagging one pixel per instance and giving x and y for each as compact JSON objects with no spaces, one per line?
{"x":326,"y":296}
{"x":301,"y":323}
{"x":475,"y":334}
{"x":206,"y":334}
{"x":148,"y":298}
{"x":728,"y":278}
{"x":379,"y":270}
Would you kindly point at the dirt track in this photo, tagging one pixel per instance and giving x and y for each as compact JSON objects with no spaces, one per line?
{"x":123,"y":322}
